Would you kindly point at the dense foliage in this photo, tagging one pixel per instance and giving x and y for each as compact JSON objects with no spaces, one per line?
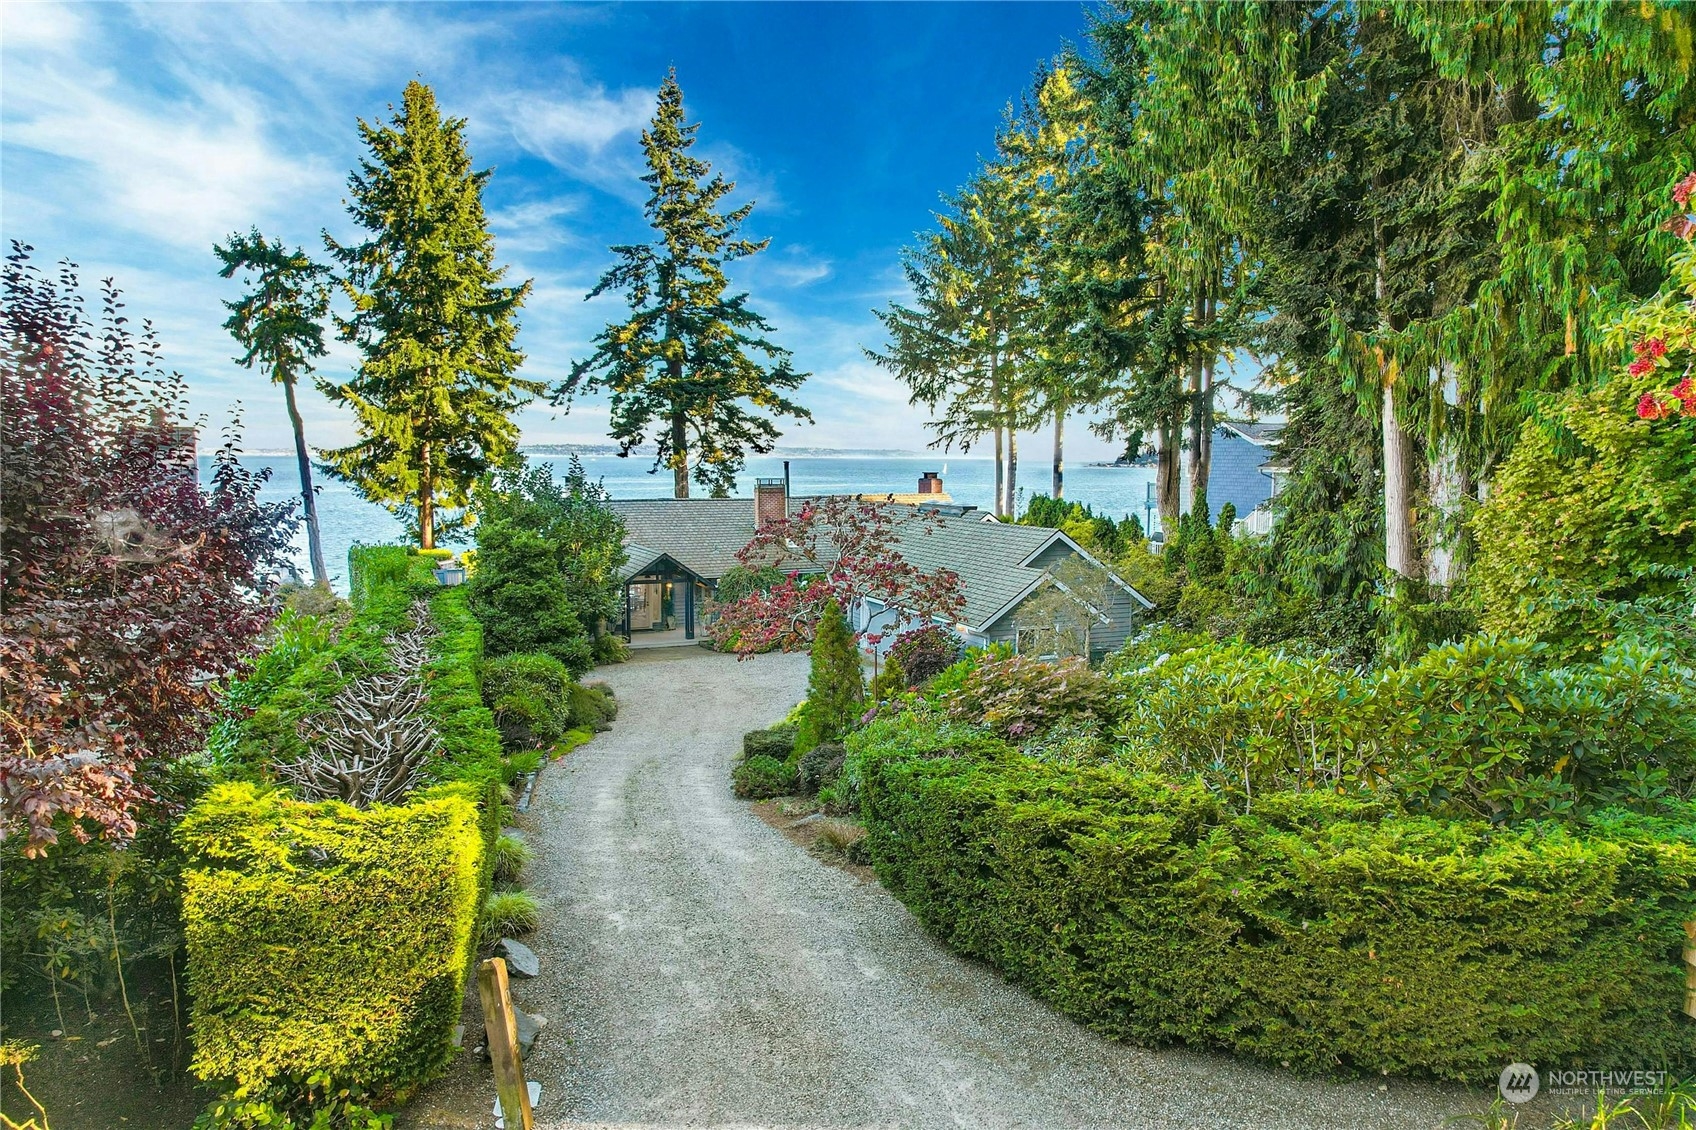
{"x":1472,"y":728}
{"x":1403,"y":226}
{"x":312,"y":661}
{"x":692,"y":370}
{"x":128,"y":589}
{"x":530,"y":695}
{"x":1598,"y":500}
{"x":377,"y":911}
{"x":1097,"y":533}
{"x":436,"y":328}
{"x":925,"y":652}
{"x":548,"y":556}
{"x":1319,"y":931}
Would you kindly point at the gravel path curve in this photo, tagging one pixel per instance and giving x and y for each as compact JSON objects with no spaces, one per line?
{"x":701,"y":970}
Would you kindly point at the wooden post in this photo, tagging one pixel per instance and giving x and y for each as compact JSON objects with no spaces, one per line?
{"x":1690,"y":969}
{"x":501,"y":1032}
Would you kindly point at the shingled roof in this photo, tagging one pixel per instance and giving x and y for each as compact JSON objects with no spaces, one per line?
{"x":993,"y":560}
{"x":701,"y":534}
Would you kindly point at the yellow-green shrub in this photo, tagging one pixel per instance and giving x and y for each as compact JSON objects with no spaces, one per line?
{"x":323,"y":938}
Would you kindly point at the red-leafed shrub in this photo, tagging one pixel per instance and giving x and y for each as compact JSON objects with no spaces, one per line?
{"x":128,"y":590}
{"x":925,"y":653}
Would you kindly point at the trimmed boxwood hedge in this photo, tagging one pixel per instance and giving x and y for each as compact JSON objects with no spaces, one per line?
{"x":324,"y":938}
{"x":1316,"y":930}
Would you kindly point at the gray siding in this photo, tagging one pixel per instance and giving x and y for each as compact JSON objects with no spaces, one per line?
{"x":1103,"y":638}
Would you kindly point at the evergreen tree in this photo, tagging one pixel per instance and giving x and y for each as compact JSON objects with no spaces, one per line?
{"x":436,"y":390}
{"x":836,"y":689}
{"x":280,"y":325}
{"x":685,"y":368}
{"x":523,"y":600}
{"x":962,"y":346}
{"x":1044,"y":150}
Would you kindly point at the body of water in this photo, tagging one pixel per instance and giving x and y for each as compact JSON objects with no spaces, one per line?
{"x":345,"y":518}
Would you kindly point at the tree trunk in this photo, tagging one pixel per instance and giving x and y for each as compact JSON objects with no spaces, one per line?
{"x":1446,"y":487}
{"x":1168,"y":488}
{"x":1196,"y":461}
{"x":1000,"y":472}
{"x":1201,"y":412}
{"x":1013,"y":472}
{"x":1060,"y":451}
{"x":679,"y":457}
{"x":1399,"y":550}
{"x":426,"y":503}
{"x":308,"y":500}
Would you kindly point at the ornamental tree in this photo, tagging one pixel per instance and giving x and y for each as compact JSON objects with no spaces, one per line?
{"x":837,"y":548}
{"x":128,"y":590}
{"x":836,"y":687}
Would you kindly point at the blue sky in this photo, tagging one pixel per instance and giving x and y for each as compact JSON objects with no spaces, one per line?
{"x":136,"y":136}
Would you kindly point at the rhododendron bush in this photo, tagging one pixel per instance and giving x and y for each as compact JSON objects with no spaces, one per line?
{"x":128,"y":589}
{"x":842,"y":549}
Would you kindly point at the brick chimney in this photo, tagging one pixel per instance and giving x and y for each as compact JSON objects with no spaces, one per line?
{"x":930,"y":483}
{"x":771,"y":501}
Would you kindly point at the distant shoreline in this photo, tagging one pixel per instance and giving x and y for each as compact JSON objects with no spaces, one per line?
{"x":606,"y":451}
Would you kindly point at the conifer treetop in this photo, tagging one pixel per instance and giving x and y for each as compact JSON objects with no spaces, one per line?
{"x":692,"y":369}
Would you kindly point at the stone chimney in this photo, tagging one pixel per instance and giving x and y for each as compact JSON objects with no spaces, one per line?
{"x":930,"y":483}
{"x":771,"y":501}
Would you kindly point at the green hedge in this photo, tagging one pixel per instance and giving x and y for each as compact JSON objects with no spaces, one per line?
{"x":325,"y":938}
{"x":469,"y":735}
{"x":1320,"y":931}
{"x":301,"y":681}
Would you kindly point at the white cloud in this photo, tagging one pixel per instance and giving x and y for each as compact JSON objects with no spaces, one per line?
{"x":581,"y":128}
{"x":793,"y":265}
{"x":534,"y":224}
{"x":185,"y":171}
{"x":39,"y":26}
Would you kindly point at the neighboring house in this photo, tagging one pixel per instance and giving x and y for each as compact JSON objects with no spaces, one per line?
{"x":679,"y":548}
{"x":1245,"y":472}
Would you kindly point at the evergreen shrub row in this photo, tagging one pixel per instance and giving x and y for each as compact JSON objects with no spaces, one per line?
{"x":1326,"y":932}
{"x":324,"y":939}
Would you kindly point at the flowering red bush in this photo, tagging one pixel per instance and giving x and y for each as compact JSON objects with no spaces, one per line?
{"x":841,"y":549}
{"x":128,"y":591}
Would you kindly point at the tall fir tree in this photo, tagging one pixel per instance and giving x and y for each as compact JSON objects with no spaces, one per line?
{"x":280,"y":324}
{"x":692,"y":368}
{"x":436,"y":391}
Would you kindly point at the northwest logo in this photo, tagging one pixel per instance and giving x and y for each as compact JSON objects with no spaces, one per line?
{"x":1518,"y":1083}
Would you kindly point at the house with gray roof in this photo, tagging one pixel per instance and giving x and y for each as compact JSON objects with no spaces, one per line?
{"x":679,"y":549}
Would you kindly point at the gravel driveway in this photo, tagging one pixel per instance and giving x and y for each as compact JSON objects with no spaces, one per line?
{"x":701,"y":970}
